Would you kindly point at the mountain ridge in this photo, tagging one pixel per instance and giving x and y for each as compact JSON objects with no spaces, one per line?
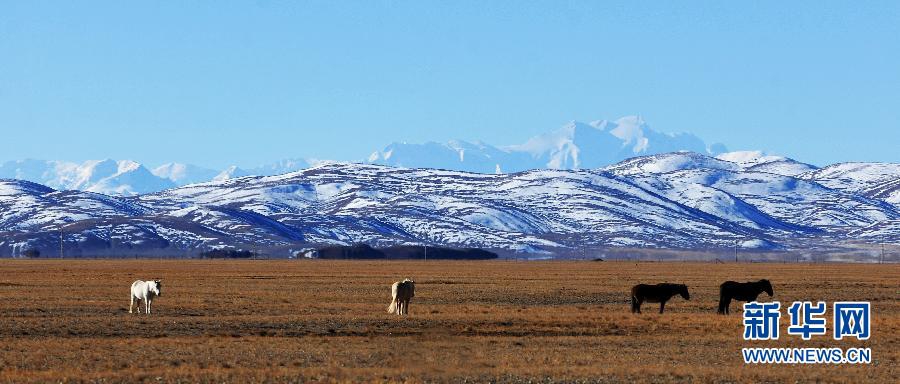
{"x":676,"y":200}
{"x":575,"y":145}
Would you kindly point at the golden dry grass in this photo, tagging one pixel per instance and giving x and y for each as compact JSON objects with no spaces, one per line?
{"x":502,"y":321}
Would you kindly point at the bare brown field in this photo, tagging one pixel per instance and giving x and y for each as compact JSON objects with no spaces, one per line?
{"x":499,"y":321}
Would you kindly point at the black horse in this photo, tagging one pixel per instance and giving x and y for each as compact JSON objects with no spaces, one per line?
{"x":732,"y":290}
{"x":659,"y":293}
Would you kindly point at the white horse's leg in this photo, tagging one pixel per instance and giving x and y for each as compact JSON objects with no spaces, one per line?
{"x":131,"y":306}
{"x":148,"y":305}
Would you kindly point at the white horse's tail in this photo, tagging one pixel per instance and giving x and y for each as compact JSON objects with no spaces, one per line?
{"x":393,"y":307}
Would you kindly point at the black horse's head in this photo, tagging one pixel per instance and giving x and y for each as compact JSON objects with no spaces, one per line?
{"x":683,"y":291}
{"x":767,"y":287}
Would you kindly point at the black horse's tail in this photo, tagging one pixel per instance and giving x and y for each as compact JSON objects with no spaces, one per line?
{"x":724,"y":301}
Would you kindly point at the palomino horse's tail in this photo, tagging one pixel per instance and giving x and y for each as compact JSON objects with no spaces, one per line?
{"x":394,"y":304}
{"x":393,"y":307}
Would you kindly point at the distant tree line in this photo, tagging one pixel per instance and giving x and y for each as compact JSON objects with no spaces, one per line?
{"x":227,"y":253}
{"x":403,"y":252}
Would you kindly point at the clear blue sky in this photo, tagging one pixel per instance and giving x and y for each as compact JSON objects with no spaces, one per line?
{"x":218,"y":82}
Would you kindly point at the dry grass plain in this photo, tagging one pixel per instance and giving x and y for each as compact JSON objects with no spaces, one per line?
{"x":498,"y":321}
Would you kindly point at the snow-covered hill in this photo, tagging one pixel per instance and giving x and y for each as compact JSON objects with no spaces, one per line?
{"x":682,"y":200}
{"x":854,"y":177}
{"x":759,"y":161}
{"x":876,"y":180}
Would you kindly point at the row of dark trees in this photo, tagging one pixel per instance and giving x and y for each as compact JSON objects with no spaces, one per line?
{"x":404,"y":252}
{"x":227,"y":253}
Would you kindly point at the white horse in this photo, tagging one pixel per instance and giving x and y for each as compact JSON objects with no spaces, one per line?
{"x":144,"y":291}
{"x":401,"y":292}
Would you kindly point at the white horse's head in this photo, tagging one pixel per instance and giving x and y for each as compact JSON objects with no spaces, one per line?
{"x":156,"y":287}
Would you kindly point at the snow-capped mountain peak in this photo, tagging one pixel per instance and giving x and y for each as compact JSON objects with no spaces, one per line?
{"x":123,"y":177}
{"x":630,"y":129}
{"x":578,"y":145}
{"x":231,"y":172}
{"x":183,"y":174}
{"x":574,"y":145}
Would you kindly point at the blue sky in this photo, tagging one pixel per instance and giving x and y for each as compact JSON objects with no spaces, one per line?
{"x":218,"y":83}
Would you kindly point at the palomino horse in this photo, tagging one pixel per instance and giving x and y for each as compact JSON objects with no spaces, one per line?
{"x":144,"y":291}
{"x":401,"y":292}
{"x":749,"y":291}
{"x":659,"y":293}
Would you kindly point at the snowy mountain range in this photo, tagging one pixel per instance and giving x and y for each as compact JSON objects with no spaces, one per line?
{"x":122,"y":177}
{"x":681,"y":200}
{"x":574,"y":146}
{"x":129,"y":178}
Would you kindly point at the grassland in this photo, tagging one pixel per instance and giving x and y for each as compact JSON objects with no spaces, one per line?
{"x":502,"y":321}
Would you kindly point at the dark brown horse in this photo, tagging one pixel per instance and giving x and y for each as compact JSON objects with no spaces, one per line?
{"x":749,"y":291}
{"x":659,"y":293}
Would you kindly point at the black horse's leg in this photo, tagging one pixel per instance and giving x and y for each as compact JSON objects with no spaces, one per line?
{"x":635,"y":304}
{"x":724,"y":302}
{"x":662,"y":306}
